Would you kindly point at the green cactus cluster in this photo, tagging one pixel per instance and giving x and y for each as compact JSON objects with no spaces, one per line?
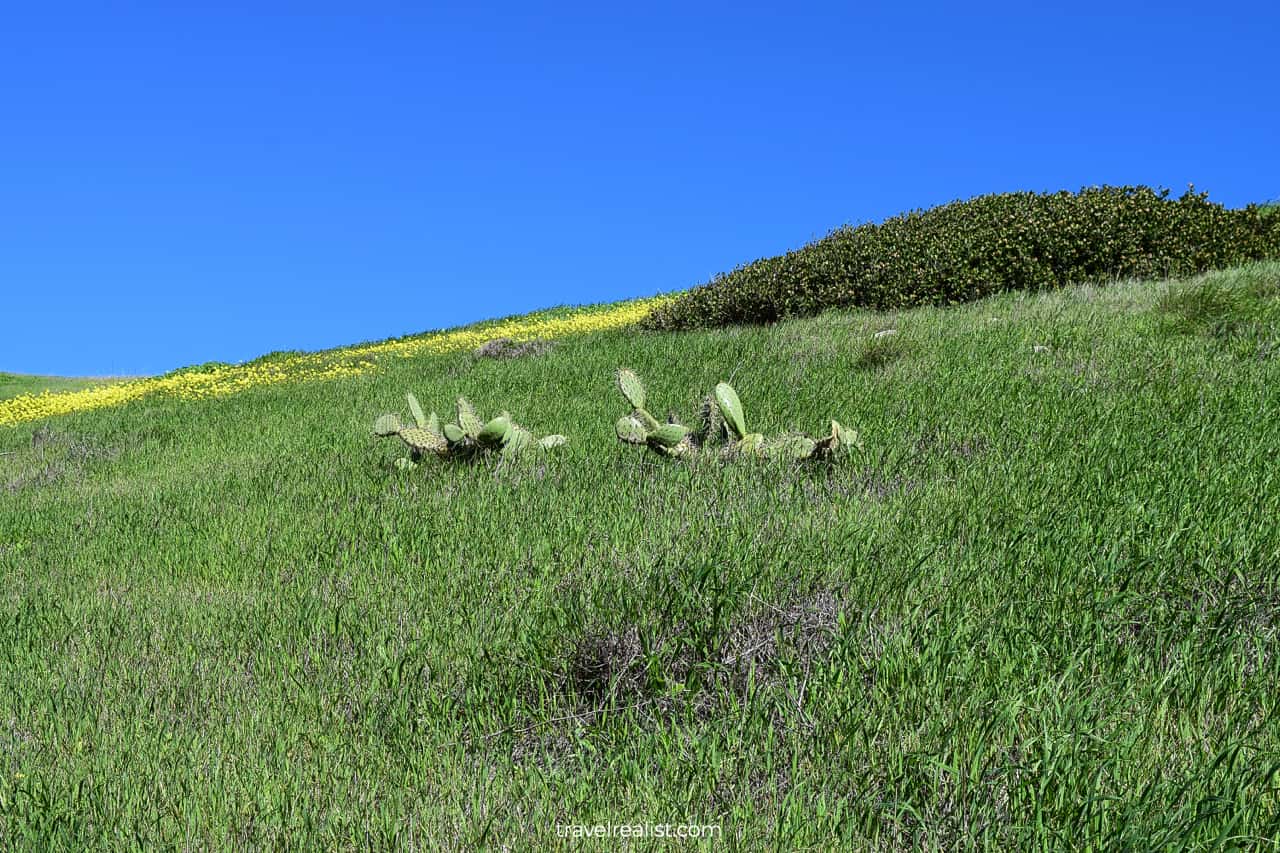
{"x":722,"y":424}
{"x":722,"y":427}
{"x":641,"y":427}
{"x":468,"y":437}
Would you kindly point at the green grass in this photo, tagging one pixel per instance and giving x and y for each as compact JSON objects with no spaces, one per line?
{"x":14,"y":384}
{"x":1040,"y":612}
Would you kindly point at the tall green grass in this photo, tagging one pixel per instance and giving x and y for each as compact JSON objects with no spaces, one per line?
{"x":1040,"y":612}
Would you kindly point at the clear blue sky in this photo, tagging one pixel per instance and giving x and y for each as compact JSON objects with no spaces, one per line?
{"x":180,"y":185}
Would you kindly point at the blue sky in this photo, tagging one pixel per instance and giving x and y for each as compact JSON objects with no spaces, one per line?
{"x":181,"y":184}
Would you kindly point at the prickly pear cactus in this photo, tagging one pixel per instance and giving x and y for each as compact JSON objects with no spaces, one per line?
{"x":420,"y":440}
{"x":641,"y":427}
{"x":631,"y":387}
{"x":387,"y":425}
{"x":630,"y":430}
{"x":712,"y":429}
{"x":520,"y":442}
{"x":721,"y":421}
{"x":462,"y":440}
{"x":751,"y":444}
{"x":415,"y":408}
{"x":649,"y":421}
{"x":517,"y":440}
{"x":668,"y":435}
{"x":731,"y":409}
{"x":683,"y":447}
{"x":848,"y":438}
{"x":468,"y":419}
{"x":794,"y":447}
{"x":493,"y":433}
{"x":841,"y":442}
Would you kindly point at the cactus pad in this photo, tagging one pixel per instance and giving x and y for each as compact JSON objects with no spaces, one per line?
{"x":418,"y":439}
{"x":631,"y":387}
{"x":454,"y":433}
{"x":668,"y":435}
{"x":680,"y":448}
{"x":518,"y":439}
{"x":630,"y":430}
{"x":549,"y":441}
{"x":468,"y":419}
{"x":848,"y":439}
{"x":493,"y":433}
{"x":712,"y":427}
{"x":387,"y":425}
{"x":416,"y":409}
{"x":731,"y":409}
{"x":649,"y":422}
{"x":751,"y":443}
{"x":790,"y":447}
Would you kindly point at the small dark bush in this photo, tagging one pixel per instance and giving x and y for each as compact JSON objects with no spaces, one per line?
{"x":969,"y":249}
{"x":505,"y":348}
{"x":878,"y":353}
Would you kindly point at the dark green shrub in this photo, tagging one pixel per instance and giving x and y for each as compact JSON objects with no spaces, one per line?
{"x":968,"y":249}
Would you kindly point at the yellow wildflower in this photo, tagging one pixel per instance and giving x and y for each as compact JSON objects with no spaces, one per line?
{"x":221,"y":380}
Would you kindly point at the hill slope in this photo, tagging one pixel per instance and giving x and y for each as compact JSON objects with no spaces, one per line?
{"x":1041,"y":607}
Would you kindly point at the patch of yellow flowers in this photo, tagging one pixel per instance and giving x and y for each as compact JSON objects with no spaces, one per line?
{"x":331,"y":364}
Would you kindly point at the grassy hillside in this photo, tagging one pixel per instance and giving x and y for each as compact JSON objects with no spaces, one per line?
{"x":1041,"y":610}
{"x":15,"y":384}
